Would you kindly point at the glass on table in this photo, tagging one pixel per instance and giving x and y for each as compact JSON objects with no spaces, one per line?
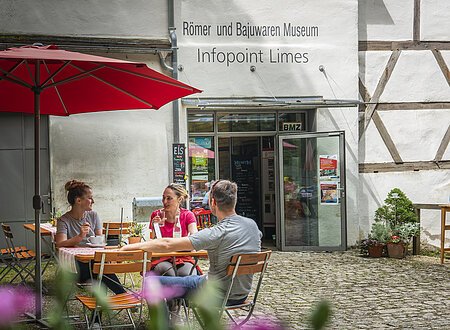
{"x":162,"y":215}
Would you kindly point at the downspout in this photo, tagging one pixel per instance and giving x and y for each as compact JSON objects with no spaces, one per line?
{"x":174,"y":47}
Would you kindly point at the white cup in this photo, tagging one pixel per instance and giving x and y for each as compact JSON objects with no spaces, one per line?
{"x":97,"y":240}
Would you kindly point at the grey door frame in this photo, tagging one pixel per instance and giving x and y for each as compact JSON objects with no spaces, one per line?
{"x":280,"y":229}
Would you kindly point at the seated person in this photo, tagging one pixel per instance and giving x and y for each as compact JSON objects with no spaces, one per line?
{"x":173,"y":196}
{"x":232,"y":235}
{"x":76,"y":225}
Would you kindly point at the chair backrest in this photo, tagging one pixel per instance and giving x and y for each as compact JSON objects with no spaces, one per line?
{"x":115,"y":228}
{"x":203,"y":218}
{"x":247,"y":264}
{"x":119,"y":262}
{"x":9,"y":237}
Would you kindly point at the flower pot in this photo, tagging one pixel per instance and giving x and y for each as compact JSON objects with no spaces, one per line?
{"x":134,"y":239}
{"x":375,"y":251}
{"x":396,"y":250}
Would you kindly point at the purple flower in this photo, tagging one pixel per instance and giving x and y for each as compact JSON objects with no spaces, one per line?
{"x":154,"y":292}
{"x":13,"y":302}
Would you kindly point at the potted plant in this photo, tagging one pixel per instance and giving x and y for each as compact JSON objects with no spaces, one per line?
{"x":398,"y":244}
{"x":376,"y":241}
{"x":136,"y":232}
{"x":397,"y":214}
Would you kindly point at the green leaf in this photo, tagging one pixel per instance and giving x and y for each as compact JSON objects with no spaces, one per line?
{"x":320,"y":315}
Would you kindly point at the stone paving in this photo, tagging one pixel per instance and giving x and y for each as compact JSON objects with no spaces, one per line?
{"x":364,"y":293}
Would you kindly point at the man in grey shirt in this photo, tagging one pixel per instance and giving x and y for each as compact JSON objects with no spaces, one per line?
{"x":232,"y":235}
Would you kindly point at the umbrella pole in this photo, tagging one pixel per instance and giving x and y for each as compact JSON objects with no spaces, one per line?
{"x":37,"y":201}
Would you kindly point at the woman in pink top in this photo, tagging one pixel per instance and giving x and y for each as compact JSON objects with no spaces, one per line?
{"x":173,"y":196}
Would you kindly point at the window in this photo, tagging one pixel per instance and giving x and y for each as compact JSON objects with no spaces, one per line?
{"x":249,"y":122}
{"x":200,"y":123}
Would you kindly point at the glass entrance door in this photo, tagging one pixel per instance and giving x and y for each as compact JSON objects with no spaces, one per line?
{"x":312,"y":191}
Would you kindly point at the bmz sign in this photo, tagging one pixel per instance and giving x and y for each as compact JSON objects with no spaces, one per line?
{"x":292,"y":126}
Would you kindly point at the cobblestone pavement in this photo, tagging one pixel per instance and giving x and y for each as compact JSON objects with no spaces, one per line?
{"x":364,"y":293}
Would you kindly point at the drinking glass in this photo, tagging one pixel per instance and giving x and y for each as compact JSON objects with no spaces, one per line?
{"x":162,"y":215}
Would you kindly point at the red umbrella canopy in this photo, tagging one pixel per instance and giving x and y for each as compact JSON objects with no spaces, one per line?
{"x":71,"y":82}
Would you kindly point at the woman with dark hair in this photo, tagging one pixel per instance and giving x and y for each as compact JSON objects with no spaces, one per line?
{"x":75,"y":226}
{"x":174,"y":216}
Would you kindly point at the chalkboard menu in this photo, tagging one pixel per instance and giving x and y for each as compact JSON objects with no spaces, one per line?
{"x":179,"y":163}
{"x":244,"y":175}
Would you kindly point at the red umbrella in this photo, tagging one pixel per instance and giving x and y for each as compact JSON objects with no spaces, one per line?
{"x":46,"y":80}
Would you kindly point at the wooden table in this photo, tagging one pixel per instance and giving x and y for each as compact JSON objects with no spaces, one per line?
{"x":417,"y":208}
{"x":32,"y":227}
{"x":45,"y":233}
{"x":444,"y":209}
{"x":194,"y":254}
{"x":86,"y":254}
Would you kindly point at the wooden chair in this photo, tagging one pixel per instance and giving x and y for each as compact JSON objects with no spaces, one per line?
{"x":7,"y":260}
{"x":241,"y":264}
{"x":17,"y":258}
{"x":203,"y":218}
{"x":117,"y":262}
{"x":116,"y":228}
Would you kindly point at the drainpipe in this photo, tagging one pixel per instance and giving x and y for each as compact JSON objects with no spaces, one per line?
{"x":173,"y":41}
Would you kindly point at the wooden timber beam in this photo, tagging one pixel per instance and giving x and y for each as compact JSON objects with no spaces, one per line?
{"x":413,"y":106}
{"x":416,"y":21}
{"x":403,"y":45}
{"x":387,"y":138}
{"x":404,"y":167}
{"x":441,"y":62}
{"x":443,"y":146}
{"x":380,"y":87}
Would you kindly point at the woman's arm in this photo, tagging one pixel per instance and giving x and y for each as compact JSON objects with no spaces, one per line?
{"x":192,"y":228}
{"x":161,"y":245}
{"x":61,"y":239}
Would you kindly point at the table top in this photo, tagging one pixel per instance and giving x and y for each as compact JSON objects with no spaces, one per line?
{"x":32,"y":227}
{"x":86,"y":254}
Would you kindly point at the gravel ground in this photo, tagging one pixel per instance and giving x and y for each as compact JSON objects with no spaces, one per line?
{"x":364,"y":293}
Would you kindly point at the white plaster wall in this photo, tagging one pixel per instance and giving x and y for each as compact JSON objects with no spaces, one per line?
{"x":371,"y":67}
{"x":435,"y":22}
{"x":121,"y":154}
{"x":417,"y":134}
{"x":386,"y":19}
{"x":118,"y":18}
{"x":420,"y":187}
{"x":415,"y":78}
{"x":335,"y":48}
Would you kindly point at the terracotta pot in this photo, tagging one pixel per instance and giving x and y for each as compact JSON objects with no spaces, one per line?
{"x":396,"y":250}
{"x":376,"y":251}
{"x":134,"y":239}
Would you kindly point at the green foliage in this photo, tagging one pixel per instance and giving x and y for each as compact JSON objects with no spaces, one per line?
{"x":64,"y":288}
{"x":396,"y":210}
{"x":320,"y":315}
{"x":407,"y":230}
{"x":380,"y":233}
{"x":398,"y":216}
{"x":136,"y":229}
{"x":208,"y":302}
{"x":157,"y":317}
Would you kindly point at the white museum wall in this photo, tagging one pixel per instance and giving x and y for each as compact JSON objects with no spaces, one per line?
{"x":99,"y":18}
{"x":335,"y":47}
{"x":416,"y":133}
